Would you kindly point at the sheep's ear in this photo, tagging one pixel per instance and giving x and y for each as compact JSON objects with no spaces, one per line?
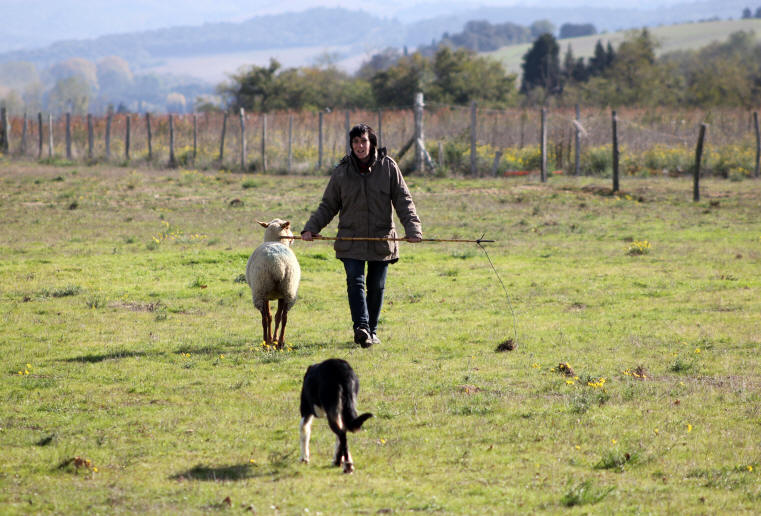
{"x":262,"y":224}
{"x":285,"y":225}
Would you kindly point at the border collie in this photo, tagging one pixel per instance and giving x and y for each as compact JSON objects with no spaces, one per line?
{"x":330,"y":389}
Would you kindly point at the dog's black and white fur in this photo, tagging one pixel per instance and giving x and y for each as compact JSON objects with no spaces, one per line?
{"x":330,"y":389}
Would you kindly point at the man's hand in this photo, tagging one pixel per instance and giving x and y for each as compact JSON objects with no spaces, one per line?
{"x":413,"y":240}
{"x":308,"y":236}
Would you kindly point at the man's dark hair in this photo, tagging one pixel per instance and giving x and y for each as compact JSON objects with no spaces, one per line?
{"x":359,"y":130}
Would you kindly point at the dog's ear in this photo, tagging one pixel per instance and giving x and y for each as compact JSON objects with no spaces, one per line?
{"x":285,"y":225}
{"x":262,"y":224}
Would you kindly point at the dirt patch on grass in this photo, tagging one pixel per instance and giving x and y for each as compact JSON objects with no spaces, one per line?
{"x":469,"y":389}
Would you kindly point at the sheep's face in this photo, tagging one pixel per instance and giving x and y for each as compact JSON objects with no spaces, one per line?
{"x":276,"y":229}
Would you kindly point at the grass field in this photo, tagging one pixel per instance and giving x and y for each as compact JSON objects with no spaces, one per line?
{"x":670,"y":38}
{"x":134,"y":380}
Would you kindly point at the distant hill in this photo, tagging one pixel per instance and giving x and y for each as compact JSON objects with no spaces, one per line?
{"x":314,"y":27}
{"x":686,"y":36}
{"x":342,"y":31}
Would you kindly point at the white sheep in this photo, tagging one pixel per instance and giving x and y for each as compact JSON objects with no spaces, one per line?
{"x":273,"y":272}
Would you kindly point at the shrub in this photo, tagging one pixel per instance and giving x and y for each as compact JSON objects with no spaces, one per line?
{"x":597,"y":160}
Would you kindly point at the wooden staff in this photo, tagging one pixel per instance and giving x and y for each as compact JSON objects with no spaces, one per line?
{"x":385,"y":239}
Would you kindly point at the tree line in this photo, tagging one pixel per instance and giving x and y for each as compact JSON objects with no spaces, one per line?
{"x":721,"y":74}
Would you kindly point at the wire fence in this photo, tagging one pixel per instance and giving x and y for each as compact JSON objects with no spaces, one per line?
{"x":311,"y":142}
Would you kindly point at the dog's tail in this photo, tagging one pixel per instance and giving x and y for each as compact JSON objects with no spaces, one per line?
{"x":355,"y":423}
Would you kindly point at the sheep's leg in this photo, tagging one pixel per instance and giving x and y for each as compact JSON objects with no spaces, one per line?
{"x":266,"y":323}
{"x":281,"y":318}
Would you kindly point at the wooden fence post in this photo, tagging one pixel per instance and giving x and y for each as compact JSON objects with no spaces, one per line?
{"x":698,"y":159}
{"x":319,"y":140}
{"x":68,"y":136}
{"x":419,"y":143}
{"x":40,"y":135}
{"x":172,"y":157}
{"x":495,"y":165}
{"x":543,"y":145}
{"x":264,"y":142}
{"x":222,"y":139}
{"x":758,"y":145}
{"x":379,"y":133}
{"x":441,"y":154}
{"x":6,"y":132}
{"x":195,"y":136}
{"x":128,"y":131}
{"x":90,"y":136}
{"x":50,"y":135}
{"x":150,"y":135}
{"x":290,"y":143}
{"x":242,"y":140}
{"x":109,"y":121}
{"x":473,"y":121}
{"x":577,"y":142}
{"x":615,"y":151}
{"x":24,"y":129}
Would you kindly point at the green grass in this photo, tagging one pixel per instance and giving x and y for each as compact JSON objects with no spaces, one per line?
{"x":129,"y":340}
{"x":684,"y":36}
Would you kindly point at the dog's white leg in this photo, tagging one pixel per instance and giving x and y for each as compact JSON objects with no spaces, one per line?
{"x":349,"y":464}
{"x":305,"y":432}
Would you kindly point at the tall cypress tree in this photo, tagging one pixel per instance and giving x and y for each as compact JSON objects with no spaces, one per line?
{"x":541,"y":65}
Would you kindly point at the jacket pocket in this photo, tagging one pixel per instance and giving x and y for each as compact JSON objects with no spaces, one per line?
{"x":386,"y":248}
{"x":342,"y":246}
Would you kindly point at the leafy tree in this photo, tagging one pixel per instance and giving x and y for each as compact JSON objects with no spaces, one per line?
{"x":540,"y":27}
{"x":398,"y":84}
{"x":541,"y":66}
{"x":71,"y":94}
{"x":574,"y":69}
{"x":17,"y":74}
{"x":757,"y":14}
{"x":725,"y":73}
{"x":575,"y":30}
{"x":114,"y":76}
{"x":76,"y":67}
{"x":636,"y":77}
{"x":460,"y":77}
{"x":252,"y":89}
{"x":12,"y":102}
{"x":746,"y":13}
{"x":602,"y":59}
{"x":379,"y":62}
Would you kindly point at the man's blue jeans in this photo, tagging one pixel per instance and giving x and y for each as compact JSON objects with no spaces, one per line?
{"x":365,"y":307}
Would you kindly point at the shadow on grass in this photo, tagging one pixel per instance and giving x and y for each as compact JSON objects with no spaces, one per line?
{"x":232,"y":473}
{"x":116,"y":355}
{"x":281,"y":465}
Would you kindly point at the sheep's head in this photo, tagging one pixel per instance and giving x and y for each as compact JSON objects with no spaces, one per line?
{"x":275,"y":229}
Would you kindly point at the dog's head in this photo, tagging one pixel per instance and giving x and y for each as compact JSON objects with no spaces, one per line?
{"x":276,"y":229}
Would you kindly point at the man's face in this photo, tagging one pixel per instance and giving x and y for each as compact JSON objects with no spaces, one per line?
{"x":361,"y":145}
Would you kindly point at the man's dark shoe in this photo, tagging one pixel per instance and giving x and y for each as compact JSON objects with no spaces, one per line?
{"x":362,"y":337}
{"x":374,"y":339}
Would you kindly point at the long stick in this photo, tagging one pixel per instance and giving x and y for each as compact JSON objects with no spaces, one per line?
{"x":384,"y":239}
